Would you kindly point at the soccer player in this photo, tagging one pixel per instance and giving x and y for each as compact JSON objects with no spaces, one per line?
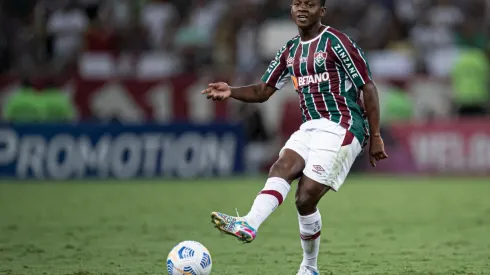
{"x":328,"y":71}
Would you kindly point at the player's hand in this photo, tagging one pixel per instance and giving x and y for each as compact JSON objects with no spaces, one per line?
{"x":217,"y":91}
{"x":376,"y":150}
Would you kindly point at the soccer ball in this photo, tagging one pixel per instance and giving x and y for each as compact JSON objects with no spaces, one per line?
{"x":189,"y":258}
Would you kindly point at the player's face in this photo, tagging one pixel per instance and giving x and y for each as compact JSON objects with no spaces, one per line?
{"x":306,"y":13}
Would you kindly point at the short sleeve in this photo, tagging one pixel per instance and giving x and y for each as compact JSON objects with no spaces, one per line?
{"x":352,"y":59}
{"x":277,"y":74}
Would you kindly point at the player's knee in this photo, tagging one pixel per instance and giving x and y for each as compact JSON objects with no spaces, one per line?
{"x":283,"y":169}
{"x":279,"y":167}
{"x":305,"y":204}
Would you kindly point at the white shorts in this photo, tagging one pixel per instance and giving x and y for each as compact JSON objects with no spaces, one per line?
{"x":329,"y":151}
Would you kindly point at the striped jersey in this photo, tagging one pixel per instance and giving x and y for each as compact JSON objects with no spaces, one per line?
{"x":327,"y":73}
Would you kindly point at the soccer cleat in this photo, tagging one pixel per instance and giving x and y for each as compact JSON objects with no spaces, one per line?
{"x":234,"y":226}
{"x":304,"y":270}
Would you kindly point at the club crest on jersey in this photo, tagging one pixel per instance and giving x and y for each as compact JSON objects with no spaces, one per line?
{"x":320,"y":58}
{"x":290,"y":61}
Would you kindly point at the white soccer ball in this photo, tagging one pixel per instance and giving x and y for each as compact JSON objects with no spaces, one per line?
{"x":189,"y":258}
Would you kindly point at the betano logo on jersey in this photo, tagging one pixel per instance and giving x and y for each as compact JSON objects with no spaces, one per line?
{"x":303,"y":81}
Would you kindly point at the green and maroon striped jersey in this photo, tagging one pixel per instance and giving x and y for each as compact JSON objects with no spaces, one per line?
{"x":327,"y":73}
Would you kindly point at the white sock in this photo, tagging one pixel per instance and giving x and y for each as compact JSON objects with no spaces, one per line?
{"x":309,"y":228}
{"x":271,"y":196}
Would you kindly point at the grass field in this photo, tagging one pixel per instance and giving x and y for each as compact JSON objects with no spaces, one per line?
{"x":396,"y":226}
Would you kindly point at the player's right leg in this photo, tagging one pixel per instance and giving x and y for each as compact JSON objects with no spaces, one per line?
{"x":286,"y":169}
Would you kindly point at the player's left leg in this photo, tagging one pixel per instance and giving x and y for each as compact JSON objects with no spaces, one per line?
{"x":329,"y":162}
{"x":308,"y":195}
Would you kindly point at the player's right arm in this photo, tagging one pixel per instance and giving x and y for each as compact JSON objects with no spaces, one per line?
{"x":256,"y":93}
{"x":276,"y":76}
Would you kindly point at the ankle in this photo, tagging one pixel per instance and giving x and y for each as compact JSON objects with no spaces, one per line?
{"x":252,"y":221}
{"x":310,"y":264}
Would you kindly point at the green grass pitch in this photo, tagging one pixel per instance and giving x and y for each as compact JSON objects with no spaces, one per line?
{"x":395,"y":226}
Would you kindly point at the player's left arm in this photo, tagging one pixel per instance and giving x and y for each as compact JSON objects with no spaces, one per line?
{"x":371,"y":104}
{"x":352,"y":59}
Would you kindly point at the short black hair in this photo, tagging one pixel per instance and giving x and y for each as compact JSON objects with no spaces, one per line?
{"x":323,"y":2}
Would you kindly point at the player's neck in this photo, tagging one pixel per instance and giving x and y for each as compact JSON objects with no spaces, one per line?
{"x":311,"y":32}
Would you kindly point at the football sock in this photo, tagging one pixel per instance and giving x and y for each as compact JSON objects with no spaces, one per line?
{"x":309,"y":228}
{"x":271,"y":196}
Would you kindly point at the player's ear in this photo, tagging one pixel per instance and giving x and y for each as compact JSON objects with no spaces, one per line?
{"x":323,"y":11}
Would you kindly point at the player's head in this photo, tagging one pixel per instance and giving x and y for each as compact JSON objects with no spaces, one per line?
{"x":306,"y":13}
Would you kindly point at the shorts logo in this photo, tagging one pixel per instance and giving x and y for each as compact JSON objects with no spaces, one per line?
{"x":320,"y":58}
{"x":318,"y":169}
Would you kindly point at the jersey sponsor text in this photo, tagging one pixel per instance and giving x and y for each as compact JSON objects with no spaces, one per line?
{"x":313,"y":79}
{"x":347,"y":61}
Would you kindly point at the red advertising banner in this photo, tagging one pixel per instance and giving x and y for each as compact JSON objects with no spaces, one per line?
{"x":452,"y":147}
{"x":134,"y":100}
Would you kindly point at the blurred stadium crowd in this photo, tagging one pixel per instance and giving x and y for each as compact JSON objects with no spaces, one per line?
{"x":197,"y":32}
{"x":446,"y":40}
